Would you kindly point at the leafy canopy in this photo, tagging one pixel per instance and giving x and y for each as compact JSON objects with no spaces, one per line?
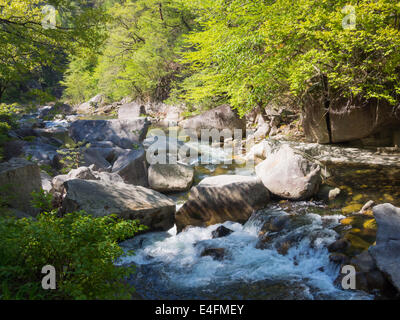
{"x":26,"y":44}
{"x":252,"y":52}
{"x":139,"y":56}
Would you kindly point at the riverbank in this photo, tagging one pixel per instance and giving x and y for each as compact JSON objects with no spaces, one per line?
{"x":285,"y":250}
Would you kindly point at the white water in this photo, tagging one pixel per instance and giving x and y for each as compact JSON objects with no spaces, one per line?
{"x":306,"y":268}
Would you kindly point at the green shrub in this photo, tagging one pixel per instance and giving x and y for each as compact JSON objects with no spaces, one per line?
{"x":72,"y":155}
{"x":7,"y":121}
{"x":83,"y":250}
{"x":42,"y":200}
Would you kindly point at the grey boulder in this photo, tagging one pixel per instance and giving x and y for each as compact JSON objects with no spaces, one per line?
{"x":170,"y":177}
{"x":220,"y":199}
{"x":100,"y":198}
{"x":18,"y":179}
{"x":386,"y":252}
{"x":122,"y":133}
{"x":289,"y":175}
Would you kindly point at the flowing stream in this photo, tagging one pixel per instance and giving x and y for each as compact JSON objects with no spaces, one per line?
{"x":170,"y":265}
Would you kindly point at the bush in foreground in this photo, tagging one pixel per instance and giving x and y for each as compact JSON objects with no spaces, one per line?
{"x":82,"y":249}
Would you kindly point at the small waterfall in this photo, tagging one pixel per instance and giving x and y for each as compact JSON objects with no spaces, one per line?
{"x":171,"y":266}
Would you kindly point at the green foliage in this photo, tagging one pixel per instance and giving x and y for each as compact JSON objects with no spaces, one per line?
{"x":83,"y":250}
{"x":7,"y":121}
{"x":139,"y":57}
{"x":72,"y":155}
{"x":249,"y":53}
{"x":42,"y":200}
{"x":79,"y":80}
{"x":27,"y":48}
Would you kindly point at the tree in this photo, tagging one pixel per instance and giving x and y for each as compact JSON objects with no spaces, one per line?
{"x":31,"y":39}
{"x":139,"y":57}
{"x":251,"y":52}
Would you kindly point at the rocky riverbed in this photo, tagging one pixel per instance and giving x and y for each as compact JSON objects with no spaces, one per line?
{"x":276,"y":222}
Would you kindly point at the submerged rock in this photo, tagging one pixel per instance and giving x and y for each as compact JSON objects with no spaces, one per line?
{"x":339,"y":246}
{"x":18,"y":179}
{"x":221,"y":232}
{"x":289,"y":175}
{"x":386,"y":252}
{"x":220,"y":199}
{"x":170,"y":177}
{"x":215,"y":253}
{"x":100,"y":198}
{"x":328,"y":193}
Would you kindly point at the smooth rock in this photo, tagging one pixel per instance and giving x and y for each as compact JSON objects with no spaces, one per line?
{"x":43,"y":154}
{"x":84,"y":173}
{"x":132,"y":167}
{"x":289,"y":175}
{"x":386,"y":252}
{"x":170,"y":177}
{"x":220,"y":199}
{"x":46,"y":181}
{"x":368,"y":206}
{"x":364,"y":262}
{"x":58,"y":182}
{"x":18,"y":179}
{"x":100,"y":198}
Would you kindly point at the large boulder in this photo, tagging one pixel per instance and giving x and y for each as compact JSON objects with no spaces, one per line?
{"x":386,"y":252}
{"x":170,"y":177}
{"x":130,"y":164}
{"x":100,"y":198}
{"x":219,"y":118}
{"x":220,"y":199}
{"x":336,"y":123}
{"x":122,"y":133}
{"x":132,"y":167}
{"x":99,"y":157}
{"x":131,"y":110}
{"x":289,"y":175}
{"x":369,"y":116}
{"x":42,"y":153}
{"x":83,"y":173}
{"x":18,"y":179}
